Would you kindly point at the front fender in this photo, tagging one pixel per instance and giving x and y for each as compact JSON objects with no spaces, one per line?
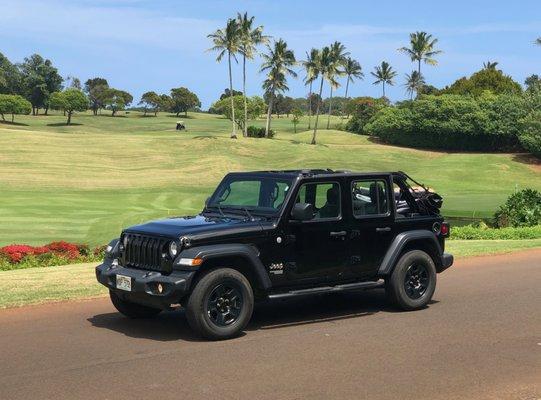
{"x":216,"y":251}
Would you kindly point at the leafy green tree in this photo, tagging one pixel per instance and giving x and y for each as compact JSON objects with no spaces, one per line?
{"x":384,"y":74}
{"x":256,"y":107}
{"x":152,"y":101}
{"x":339,"y":55}
{"x":40,"y":78}
{"x":297,"y":115}
{"x":227,"y":93}
{"x":70,"y":100}
{"x":227,"y":42}
{"x":311,"y":75}
{"x":484,"y":80}
{"x":533,"y":82}
{"x":14,"y":104}
{"x":414,"y":82}
{"x":96,"y":89}
{"x":522,"y":208}
{"x":363,"y":109}
{"x":116,"y":100}
{"x":182,"y":100}
{"x":166,"y":102}
{"x":250,"y":38}
{"x":10,"y":77}
{"x":421,"y":49}
{"x":277,"y":63}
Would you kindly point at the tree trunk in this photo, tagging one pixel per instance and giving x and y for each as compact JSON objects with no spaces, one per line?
{"x":3,"y":118}
{"x":310,"y":106}
{"x":245,"y":132}
{"x":234,"y":133}
{"x":69,"y":118}
{"x":186,"y":113}
{"x":46,"y":110}
{"x":419,"y":67}
{"x":383,"y":88}
{"x":347,"y":87}
{"x":12,"y":117}
{"x":114,"y":111}
{"x":269,"y":114}
{"x":330,"y":111}
{"x":317,"y":113}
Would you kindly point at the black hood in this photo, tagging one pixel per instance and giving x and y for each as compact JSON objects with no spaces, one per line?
{"x":199,"y":226}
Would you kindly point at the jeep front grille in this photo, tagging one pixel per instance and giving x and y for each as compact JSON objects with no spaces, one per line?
{"x":145,"y":252}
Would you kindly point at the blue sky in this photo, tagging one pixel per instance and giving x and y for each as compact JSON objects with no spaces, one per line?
{"x":156,"y":45}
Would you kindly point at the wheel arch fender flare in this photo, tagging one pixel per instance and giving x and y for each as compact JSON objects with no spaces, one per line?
{"x":401,"y":241}
{"x":215,"y":252}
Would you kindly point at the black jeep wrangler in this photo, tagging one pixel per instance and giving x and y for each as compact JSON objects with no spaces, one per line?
{"x":281,"y":234}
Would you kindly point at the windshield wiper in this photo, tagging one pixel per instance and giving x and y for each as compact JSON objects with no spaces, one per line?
{"x":248,"y":213}
{"x":217,"y":206}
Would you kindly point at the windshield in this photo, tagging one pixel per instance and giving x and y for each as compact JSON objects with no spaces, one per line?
{"x":264,"y":195}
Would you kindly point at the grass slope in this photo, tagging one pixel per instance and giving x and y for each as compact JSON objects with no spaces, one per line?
{"x":85,"y":182}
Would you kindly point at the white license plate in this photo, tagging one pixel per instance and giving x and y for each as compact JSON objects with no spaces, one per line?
{"x":123,"y":283}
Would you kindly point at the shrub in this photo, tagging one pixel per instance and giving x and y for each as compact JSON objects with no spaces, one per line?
{"x":451,"y":122}
{"x":362,"y":109}
{"x":522,"y":208}
{"x":17,"y":256}
{"x":470,"y":232}
{"x":258,"y":132}
{"x":530,"y":136}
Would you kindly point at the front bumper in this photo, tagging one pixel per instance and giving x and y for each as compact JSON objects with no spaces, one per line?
{"x":446,"y":261}
{"x":144,"y":284}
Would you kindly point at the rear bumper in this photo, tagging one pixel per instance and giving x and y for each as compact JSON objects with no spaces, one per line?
{"x":144,"y":284}
{"x":446,"y":261}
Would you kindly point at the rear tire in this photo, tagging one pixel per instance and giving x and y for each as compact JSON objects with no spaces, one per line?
{"x":413,"y":281}
{"x":221,"y":304}
{"x":132,"y":310}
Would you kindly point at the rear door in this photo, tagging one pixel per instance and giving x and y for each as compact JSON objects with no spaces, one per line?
{"x":318,"y":249}
{"x":371,"y":225}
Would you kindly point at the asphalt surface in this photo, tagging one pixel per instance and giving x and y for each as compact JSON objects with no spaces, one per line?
{"x":480,"y":338}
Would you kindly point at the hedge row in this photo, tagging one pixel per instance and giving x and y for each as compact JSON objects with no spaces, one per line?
{"x":471,"y":232}
{"x":453,"y":122}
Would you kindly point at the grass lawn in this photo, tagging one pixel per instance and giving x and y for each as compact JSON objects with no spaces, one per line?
{"x":68,"y":282}
{"x":85,"y":182}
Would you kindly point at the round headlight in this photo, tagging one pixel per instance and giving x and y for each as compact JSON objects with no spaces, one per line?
{"x":173,"y":249}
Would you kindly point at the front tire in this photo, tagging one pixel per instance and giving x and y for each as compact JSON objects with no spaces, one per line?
{"x":413,"y":281}
{"x":221,"y":304}
{"x":132,"y":310}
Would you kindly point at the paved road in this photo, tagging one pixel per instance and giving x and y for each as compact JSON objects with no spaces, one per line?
{"x":480,"y":338}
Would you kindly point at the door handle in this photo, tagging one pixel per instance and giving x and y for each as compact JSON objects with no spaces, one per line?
{"x":338,"y":234}
{"x":385,"y":229}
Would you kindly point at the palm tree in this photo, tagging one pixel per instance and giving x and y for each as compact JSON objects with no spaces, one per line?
{"x":277,"y":63}
{"x":227,"y":41}
{"x":326,"y":67}
{"x":414,"y":81}
{"x":311,"y":76}
{"x":338,"y":54}
{"x":422,"y":49}
{"x":250,"y":38}
{"x":538,"y":41}
{"x":490,"y":64}
{"x":384,"y":74}
{"x":352,"y":69}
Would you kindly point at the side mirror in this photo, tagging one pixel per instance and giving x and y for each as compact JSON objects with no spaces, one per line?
{"x":302,"y":212}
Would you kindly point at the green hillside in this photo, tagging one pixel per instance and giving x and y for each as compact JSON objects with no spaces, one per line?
{"x":85,"y":182}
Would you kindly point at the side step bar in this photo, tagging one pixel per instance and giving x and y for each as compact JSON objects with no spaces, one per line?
{"x":328,"y":289}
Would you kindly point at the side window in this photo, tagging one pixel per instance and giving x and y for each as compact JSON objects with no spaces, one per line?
{"x":369,"y":198}
{"x":325,"y":197}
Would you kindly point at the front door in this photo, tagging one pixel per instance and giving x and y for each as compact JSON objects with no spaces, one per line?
{"x":371,"y":225}
{"x":318,"y":249}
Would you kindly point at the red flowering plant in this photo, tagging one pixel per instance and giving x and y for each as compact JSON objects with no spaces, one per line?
{"x":17,"y":256}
